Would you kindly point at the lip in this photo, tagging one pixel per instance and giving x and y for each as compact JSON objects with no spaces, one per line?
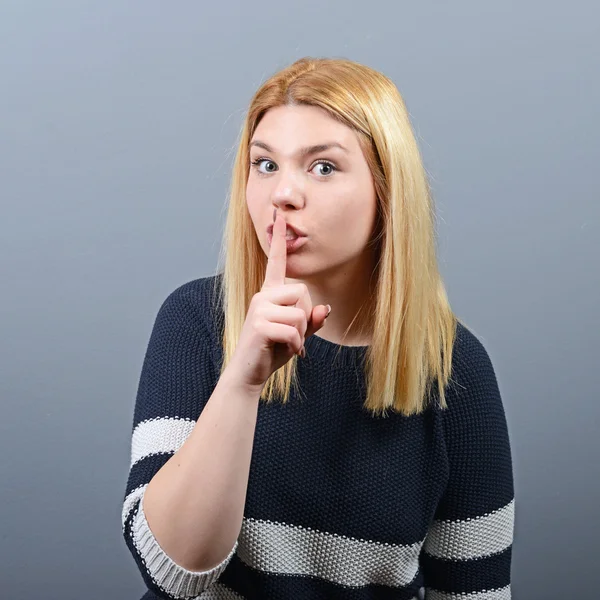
{"x":297,"y":231}
{"x":290,"y":245}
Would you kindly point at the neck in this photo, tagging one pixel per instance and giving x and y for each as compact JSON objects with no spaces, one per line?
{"x":350,"y":293}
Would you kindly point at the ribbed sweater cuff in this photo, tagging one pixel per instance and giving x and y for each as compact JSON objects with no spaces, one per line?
{"x":173,"y":579}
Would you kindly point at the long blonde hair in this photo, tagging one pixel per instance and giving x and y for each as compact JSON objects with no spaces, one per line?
{"x":414,"y":327}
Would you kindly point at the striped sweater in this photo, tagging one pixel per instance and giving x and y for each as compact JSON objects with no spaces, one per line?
{"x":340,"y":504}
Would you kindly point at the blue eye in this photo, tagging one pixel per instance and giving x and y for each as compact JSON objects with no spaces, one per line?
{"x":326,"y":163}
{"x":256,"y":163}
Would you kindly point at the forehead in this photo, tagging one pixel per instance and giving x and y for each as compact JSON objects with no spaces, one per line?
{"x":289,"y":127}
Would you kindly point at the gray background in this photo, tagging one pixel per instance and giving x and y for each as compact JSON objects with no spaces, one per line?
{"x":117,"y":126}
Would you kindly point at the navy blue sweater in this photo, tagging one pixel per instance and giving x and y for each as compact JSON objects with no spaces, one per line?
{"x":340,"y":504}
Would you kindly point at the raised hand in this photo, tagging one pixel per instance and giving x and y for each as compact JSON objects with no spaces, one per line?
{"x":279,"y":319}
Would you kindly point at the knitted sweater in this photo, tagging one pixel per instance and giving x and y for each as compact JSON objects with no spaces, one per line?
{"x":340,"y":504}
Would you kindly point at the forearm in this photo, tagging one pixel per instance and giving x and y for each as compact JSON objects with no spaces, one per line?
{"x":194,"y":504}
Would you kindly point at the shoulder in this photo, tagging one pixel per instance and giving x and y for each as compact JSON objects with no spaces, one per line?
{"x":471,"y":360}
{"x":473,"y":394}
{"x":197,"y":293}
{"x":195,"y":303}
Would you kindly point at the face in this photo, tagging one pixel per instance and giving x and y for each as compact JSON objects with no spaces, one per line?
{"x":327,"y":193}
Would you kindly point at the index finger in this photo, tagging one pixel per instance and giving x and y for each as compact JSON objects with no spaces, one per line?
{"x":276,"y":265}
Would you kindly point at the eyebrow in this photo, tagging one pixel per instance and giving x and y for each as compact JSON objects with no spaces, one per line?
{"x":307,"y":151}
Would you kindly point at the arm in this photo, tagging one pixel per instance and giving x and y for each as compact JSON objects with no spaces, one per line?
{"x":190,"y":458}
{"x":468,"y":548}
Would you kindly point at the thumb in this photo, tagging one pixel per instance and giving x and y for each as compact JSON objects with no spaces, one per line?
{"x":317,"y":319}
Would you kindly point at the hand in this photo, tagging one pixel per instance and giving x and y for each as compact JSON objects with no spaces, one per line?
{"x":279,"y":319}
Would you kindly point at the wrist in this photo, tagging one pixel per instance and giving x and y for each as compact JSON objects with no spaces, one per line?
{"x":233,"y":384}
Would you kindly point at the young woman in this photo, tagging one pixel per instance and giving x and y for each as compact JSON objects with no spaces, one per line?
{"x":314,"y":421}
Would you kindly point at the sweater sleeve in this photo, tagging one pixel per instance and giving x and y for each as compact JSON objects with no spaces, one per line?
{"x":467,"y":551}
{"x":177,"y":378}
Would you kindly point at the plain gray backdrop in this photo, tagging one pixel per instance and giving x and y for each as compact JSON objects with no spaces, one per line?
{"x":118,"y":122}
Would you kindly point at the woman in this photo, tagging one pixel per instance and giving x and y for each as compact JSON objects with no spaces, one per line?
{"x":385,"y":471}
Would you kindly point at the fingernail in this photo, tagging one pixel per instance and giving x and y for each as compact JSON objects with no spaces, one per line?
{"x":328,"y":310}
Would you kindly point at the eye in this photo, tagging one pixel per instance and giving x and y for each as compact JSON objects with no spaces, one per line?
{"x":258,"y":162}
{"x":327,"y":168}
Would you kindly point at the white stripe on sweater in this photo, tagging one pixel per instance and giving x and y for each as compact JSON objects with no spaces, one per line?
{"x":291,"y":550}
{"x":500,"y":594}
{"x":472,"y":538}
{"x":162,"y":435}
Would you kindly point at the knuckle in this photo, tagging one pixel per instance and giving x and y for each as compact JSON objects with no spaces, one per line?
{"x":304,"y":322}
{"x":300,"y":319}
{"x":256,"y":299}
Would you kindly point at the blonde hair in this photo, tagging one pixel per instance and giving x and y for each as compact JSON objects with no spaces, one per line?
{"x":414,"y":327}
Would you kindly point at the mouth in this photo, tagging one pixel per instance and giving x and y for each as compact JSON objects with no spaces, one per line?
{"x":291,"y":233}
{"x":292,"y":244}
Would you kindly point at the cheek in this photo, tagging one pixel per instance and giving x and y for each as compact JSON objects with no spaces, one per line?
{"x":355,"y":207}
{"x":256,"y":192}
{"x":252,"y":200}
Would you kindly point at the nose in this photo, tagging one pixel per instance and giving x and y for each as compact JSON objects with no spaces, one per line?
{"x":287,"y":192}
